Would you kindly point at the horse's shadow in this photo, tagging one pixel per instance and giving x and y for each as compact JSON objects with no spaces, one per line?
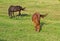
{"x":2,"y":40}
{"x":22,"y":15}
{"x":41,"y":25}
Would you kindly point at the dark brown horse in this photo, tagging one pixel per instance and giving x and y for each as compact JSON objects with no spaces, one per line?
{"x":13,"y":9}
{"x":36,"y":20}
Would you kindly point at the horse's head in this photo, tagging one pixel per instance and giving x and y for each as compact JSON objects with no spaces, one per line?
{"x":23,"y":8}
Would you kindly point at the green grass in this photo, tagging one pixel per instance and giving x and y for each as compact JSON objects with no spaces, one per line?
{"x":22,"y":29}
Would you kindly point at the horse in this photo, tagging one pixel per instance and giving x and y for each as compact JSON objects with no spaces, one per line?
{"x":36,"y":20}
{"x":13,"y":9}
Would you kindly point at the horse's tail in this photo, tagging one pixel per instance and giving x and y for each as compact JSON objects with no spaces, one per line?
{"x":43,"y":15}
{"x":46,"y":14}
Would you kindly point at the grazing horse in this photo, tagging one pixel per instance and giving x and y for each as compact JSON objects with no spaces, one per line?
{"x":13,"y":9}
{"x":36,"y":20}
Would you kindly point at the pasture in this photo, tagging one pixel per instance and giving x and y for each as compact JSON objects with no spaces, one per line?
{"x":22,"y":29}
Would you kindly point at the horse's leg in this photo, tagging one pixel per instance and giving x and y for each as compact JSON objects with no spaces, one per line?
{"x":19,"y":13}
{"x":13,"y":14}
{"x":38,"y":28}
{"x":34,"y":25}
{"x":35,"y":28}
{"x":10,"y":14}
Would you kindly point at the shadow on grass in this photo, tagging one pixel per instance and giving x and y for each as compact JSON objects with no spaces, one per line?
{"x":23,"y":15}
{"x":41,"y":25}
{"x":2,"y":40}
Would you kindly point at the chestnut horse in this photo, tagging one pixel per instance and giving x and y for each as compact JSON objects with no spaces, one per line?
{"x":36,"y":20}
{"x":13,"y":9}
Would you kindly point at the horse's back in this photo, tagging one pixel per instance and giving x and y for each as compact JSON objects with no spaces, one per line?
{"x":15,"y":8}
{"x":36,"y":18}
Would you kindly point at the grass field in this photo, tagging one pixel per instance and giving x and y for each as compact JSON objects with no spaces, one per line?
{"x":22,"y":29}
